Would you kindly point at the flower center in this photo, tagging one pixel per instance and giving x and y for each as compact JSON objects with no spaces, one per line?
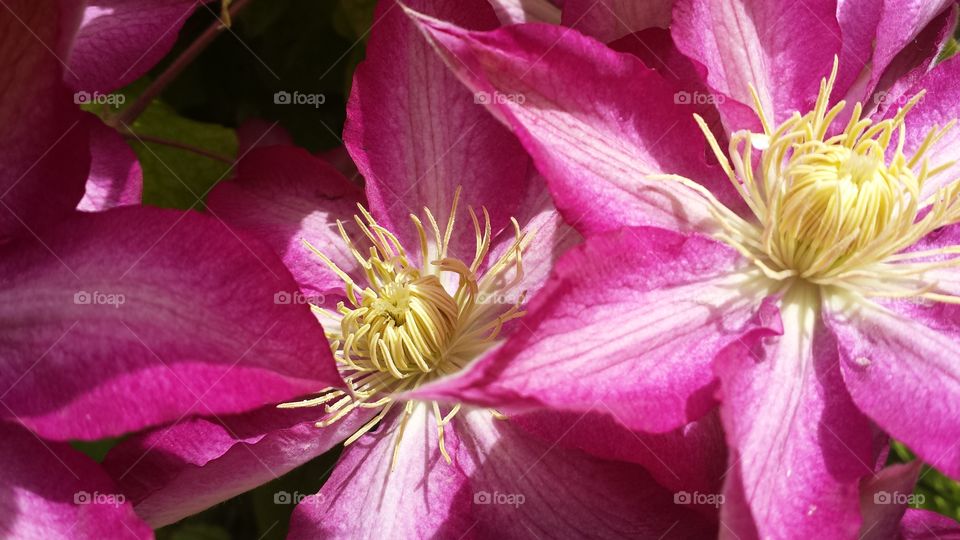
{"x":415,"y":320}
{"x":837,"y":207}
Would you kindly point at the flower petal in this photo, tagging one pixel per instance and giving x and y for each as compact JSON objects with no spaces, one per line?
{"x":45,"y":158}
{"x":172,"y":472}
{"x":523,"y":487}
{"x":422,"y":497}
{"x":883,"y":500}
{"x":940,"y":105}
{"x":138,"y":316}
{"x":598,"y":124}
{"x":416,"y":134}
{"x":116,"y":178}
{"x":927,"y":525}
{"x":691,"y":458}
{"x":520,"y":11}
{"x":899,"y":362}
{"x":782,"y":47}
{"x":799,"y":446}
{"x":119,"y":41}
{"x":50,"y":490}
{"x":286,"y":196}
{"x":608,"y":20}
{"x":632,"y":320}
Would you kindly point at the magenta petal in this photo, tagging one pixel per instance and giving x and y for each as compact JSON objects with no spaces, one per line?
{"x":899,"y":361}
{"x":926,"y":525}
{"x":172,"y":472}
{"x":155,"y":313}
{"x":940,"y":105}
{"x":598,"y":124}
{"x":520,"y":11}
{"x":523,"y":487}
{"x":120,"y":40}
{"x":883,"y":500}
{"x":799,"y":446}
{"x":628,"y":321}
{"x":45,"y":158}
{"x":417,"y":134}
{"x":422,"y":497}
{"x":116,"y":178}
{"x":691,"y":458}
{"x":608,"y":20}
{"x":286,"y":196}
{"x":782,"y":47}
{"x":50,"y":490}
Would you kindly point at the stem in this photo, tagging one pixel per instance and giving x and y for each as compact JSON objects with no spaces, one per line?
{"x":174,"y":144}
{"x":131,"y":113}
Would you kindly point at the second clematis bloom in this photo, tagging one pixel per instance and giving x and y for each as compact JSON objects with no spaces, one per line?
{"x":806,"y":278}
{"x":414,"y":279}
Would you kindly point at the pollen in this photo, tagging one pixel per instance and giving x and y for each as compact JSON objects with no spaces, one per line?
{"x":415,"y":319}
{"x":837,"y":203}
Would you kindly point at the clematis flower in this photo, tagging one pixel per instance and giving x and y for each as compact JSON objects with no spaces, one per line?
{"x":805,"y":278}
{"x":414,"y":279}
{"x":91,"y":301}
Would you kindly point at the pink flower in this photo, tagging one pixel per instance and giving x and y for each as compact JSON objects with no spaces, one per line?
{"x":413,"y":290}
{"x":103,"y":331}
{"x":808,"y":280}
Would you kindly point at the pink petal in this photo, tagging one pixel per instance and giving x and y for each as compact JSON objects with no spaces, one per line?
{"x":520,"y":11}
{"x":598,"y":124}
{"x":255,"y":133}
{"x":926,"y":525}
{"x":608,"y":20}
{"x":691,"y":458}
{"x":45,"y":157}
{"x":626,"y":321}
{"x":138,"y":316}
{"x":883,"y":500}
{"x":120,"y":40}
{"x":502,"y":483}
{"x":939,"y":106}
{"x":416,"y":133}
{"x":172,"y":472}
{"x":523,"y":487}
{"x":422,"y":497}
{"x":52,"y":491}
{"x":286,"y":196}
{"x":116,"y":178}
{"x":782,"y":47}
{"x":899,"y":362}
{"x":798,"y":444}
